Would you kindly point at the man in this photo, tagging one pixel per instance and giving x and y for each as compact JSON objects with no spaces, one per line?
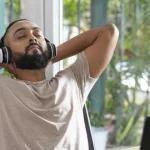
{"x":41,"y":114}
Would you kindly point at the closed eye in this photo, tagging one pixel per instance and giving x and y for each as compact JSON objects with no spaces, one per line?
{"x":37,"y":35}
{"x":21,"y":36}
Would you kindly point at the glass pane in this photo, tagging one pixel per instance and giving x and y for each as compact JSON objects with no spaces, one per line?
{"x":12,"y":12}
{"x":127,"y":89}
{"x":127,"y":76}
{"x":76,"y":19}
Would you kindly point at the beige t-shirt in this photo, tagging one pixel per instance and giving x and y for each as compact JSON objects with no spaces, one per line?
{"x":45,"y":115}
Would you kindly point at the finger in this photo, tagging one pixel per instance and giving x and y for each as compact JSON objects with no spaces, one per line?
{"x":2,"y":65}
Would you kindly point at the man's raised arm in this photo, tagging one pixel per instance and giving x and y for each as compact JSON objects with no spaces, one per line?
{"x":98,"y":44}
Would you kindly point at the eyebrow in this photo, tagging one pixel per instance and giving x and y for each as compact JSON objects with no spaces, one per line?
{"x":21,"y":29}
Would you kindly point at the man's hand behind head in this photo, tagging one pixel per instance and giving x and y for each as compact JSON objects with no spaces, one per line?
{"x":9,"y":68}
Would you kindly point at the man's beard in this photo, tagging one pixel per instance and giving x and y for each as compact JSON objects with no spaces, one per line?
{"x":31,"y":62}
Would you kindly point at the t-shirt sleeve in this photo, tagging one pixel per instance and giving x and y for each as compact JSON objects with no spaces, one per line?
{"x":84,"y":81}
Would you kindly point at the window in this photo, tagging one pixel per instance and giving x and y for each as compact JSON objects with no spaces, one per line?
{"x":126,"y":99}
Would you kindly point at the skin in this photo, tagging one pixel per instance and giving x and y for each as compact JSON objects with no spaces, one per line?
{"x":17,"y":40}
{"x":98,"y":45}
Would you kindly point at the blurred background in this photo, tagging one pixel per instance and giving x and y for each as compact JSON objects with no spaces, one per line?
{"x":119,"y":101}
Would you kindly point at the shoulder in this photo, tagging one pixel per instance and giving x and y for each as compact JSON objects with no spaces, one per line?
{"x":3,"y":77}
{"x":5,"y":80}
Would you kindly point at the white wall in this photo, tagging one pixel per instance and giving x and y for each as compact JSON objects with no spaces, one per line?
{"x":33,"y":10}
{"x":53,"y":28}
{"x":48,"y":15}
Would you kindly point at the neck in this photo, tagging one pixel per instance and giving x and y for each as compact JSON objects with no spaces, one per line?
{"x":30,"y":75}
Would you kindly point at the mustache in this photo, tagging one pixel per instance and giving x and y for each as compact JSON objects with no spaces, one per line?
{"x":35,"y":44}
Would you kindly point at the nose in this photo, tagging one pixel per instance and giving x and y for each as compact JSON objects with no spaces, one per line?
{"x":32,"y":39}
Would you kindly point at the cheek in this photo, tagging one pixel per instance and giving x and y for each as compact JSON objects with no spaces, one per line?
{"x":44,"y":45}
{"x":18,"y":47}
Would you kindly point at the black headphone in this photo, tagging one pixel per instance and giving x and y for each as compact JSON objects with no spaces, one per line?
{"x":5,"y":52}
{"x":52,"y":49}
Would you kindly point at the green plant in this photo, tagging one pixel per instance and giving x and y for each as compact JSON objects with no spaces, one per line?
{"x":95,"y":118}
{"x":16,"y":15}
{"x":16,"y":9}
{"x":128,"y":73}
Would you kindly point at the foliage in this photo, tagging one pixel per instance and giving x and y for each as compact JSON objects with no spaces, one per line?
{"x":6,"y":73}
{"x":95,"y":118}
{"x":71,"y":12}
{"x":17,"y":11}
{"x":72,"y":18}
{"x":128,"y":78}
{"x":124,"y":76}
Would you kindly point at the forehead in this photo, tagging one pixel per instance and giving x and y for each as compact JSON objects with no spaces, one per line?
{"x":21,"y":24}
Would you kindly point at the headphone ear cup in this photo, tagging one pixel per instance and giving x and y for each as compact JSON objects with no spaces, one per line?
{"x":5,"y":55}
{"x":52,"y":49}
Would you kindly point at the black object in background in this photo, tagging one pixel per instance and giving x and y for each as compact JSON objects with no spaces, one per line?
{"x":145,"y":141}
{"x":88,"y":128}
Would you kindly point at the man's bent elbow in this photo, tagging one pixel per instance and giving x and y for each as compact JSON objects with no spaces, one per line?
{"x":112,"y":30}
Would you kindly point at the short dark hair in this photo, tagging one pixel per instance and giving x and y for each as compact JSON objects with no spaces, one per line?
{"x":3,"y":37}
